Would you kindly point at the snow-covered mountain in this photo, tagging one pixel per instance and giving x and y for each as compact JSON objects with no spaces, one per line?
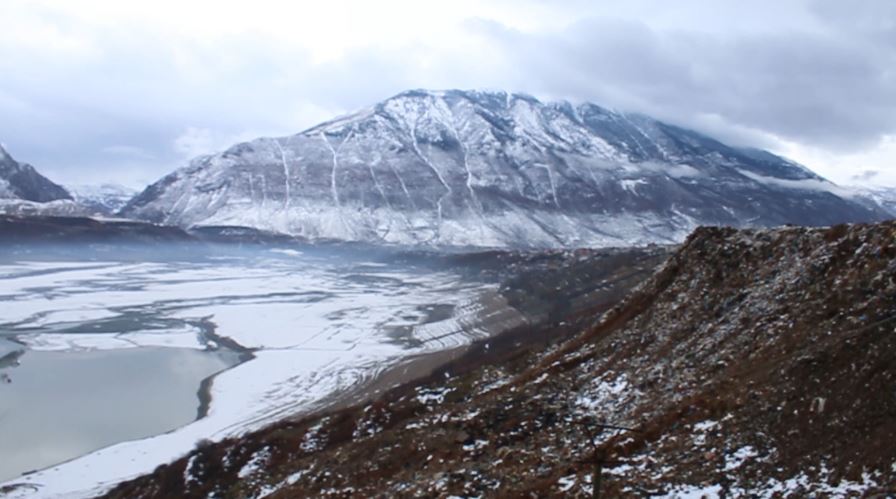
{"x":103,"y":199}
{"x":24,"y":191}
{"x":492,"y":169}
{"x":21,"y":181}
{"x":877,"y":197}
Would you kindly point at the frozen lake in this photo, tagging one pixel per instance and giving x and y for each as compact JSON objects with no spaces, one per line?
{"x":59,"y":405}
{"x":121,"y":355}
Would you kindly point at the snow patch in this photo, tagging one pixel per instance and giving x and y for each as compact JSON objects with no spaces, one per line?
{"x":255,"y":464}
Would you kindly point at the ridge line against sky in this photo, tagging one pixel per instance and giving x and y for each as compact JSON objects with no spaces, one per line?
{"x":96,"y":91}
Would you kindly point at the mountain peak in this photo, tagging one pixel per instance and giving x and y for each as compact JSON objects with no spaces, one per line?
{"x":21,"y":182}
{"x":492,"y":168}
{"x":482,"y":96}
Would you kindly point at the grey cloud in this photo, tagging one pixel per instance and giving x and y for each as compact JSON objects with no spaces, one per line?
{"x":812,"y":87}
{"x":828,"y":84}
{"x":870,"y":20}
{"x":145,"y":95}
{"x":137,"y":95}
{"x":866,"y":175}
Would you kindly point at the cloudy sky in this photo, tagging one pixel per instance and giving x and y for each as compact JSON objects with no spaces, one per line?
{"x":94,"y":91}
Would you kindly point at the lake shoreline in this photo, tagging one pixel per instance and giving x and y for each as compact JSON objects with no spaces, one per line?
{"x":487,"y":293}
{"x":495,"y":317}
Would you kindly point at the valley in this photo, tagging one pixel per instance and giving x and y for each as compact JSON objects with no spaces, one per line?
{"x":731,"y":371}
{"x":450,"y":293}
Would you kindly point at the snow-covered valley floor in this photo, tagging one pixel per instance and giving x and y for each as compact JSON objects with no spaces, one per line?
{"x":304,"y":327}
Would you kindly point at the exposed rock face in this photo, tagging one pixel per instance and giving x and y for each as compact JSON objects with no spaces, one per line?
{"x":20,"y":181}
{"x":25,"y":192}
{"x":492,"y":169}
{"x":753,"y":363}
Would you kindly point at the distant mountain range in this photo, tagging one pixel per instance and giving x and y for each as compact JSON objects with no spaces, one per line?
{"x":104,"y":199}
{"x":463,"y":168}
{"x":470,"y":168}
{"x":24,"y":191}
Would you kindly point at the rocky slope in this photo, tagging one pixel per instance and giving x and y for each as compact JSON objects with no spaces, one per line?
{"x":22,"y":181}
{"x":24,"y":191}
{"x":492,"y":169}
{"x":753,"y":363}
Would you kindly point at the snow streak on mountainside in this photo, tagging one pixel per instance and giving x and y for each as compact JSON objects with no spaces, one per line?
{"x":492,"y":169}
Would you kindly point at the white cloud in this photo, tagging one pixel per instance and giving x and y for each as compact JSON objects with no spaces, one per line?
{"x":197,"y":142}
{"x":849,"y":168}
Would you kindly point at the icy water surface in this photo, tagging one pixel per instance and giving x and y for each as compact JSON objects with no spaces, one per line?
{"x":59,"y":405}
{"x":122,"y":353}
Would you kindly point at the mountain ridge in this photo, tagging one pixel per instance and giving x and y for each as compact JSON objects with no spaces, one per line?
{"x":25,"y":192}
{"x":470,"y":168}
{"x":22,"y":181}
